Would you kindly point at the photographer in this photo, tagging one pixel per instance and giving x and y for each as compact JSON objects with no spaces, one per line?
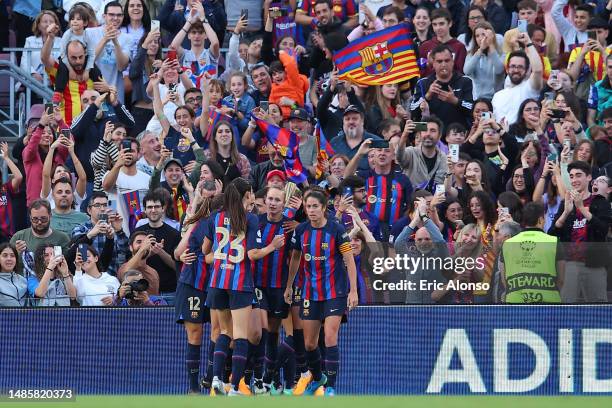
{"x":133,"y":292}
{"x":141,"y":249}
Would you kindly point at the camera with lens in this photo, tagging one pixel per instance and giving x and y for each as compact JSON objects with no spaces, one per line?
{"x":140,"y":285}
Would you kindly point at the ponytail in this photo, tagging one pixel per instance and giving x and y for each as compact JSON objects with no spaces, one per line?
{"x":232,"y":204}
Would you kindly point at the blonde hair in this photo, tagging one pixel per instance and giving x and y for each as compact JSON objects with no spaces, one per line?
{"x":487,"y":26}
{"x":39,"y":17}
{"x":477,"y":250}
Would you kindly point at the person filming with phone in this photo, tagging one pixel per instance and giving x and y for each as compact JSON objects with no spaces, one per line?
{"x":51,"y":283}
{"x":103,"y":225}
{"x":93,"y":287}
{"x":387,"y":189}
{"x":444,"y":93}
{"x":126,"y":184}
{"x":28,"y":240}
{"x":425,"y":163}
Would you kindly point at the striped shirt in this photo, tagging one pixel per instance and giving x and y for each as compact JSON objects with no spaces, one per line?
{"x":272,"y":270}
{"x":71,"y":105}
{"x":231,"y":268}
{"x":196,"y":274}
{"x":325,"y":275}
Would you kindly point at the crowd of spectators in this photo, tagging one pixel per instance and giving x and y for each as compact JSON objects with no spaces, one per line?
{"x":508,"y":129}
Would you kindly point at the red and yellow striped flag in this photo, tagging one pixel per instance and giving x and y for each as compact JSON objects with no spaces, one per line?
{"x":383,"y":57}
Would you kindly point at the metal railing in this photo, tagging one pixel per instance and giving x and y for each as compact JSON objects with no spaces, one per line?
{"x":12,"y":121}
{"x":12,"y":118}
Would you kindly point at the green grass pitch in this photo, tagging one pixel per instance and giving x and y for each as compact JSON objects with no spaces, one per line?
{"x":166,"y":401}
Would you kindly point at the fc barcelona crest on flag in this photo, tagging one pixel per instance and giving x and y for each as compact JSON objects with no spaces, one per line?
{"x":376,"y":60}
{"x":383,"y":57}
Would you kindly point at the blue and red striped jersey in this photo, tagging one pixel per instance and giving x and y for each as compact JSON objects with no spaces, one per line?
{"x":386,"y":195}
{"x":196,"y":274}
{"x":231,"y":268}
{"x":325,"y":275}
{"x":272,"y":270}
{"x":7,"y":226}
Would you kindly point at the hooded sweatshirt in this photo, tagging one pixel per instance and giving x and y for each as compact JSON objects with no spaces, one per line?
{"x":13,"y":289}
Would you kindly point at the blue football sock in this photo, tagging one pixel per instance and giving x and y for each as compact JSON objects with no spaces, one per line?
{"x":332,"y":363}
{"x":239,"y":359}
{"x":193,"y":366}
{"x":220,"y":355}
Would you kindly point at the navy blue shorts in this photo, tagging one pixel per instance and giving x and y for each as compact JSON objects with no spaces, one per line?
{"x":319,"y":310}
{"x":223,"y":299}
{"x":272,"y":300}
{"x":190,"y":305}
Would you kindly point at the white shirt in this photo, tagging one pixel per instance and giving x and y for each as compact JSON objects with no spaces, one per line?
{"x":36,"y":65}
{"x":507,"y":101}
{"x":78,"y":200}
{"x":202,"y":60}
{"x":134,"y":35}
{"x":107,"y":60}
{"x":169,"y":108}
{"x":127,"y":184}
{"x":90,"y":290}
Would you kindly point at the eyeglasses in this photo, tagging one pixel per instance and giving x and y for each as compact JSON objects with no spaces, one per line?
{"x":99,"y":205}
{"x":153,"y":207}
{"x":518,"y":176}
{"x":516,"y":67}
{"x":38,"y":220}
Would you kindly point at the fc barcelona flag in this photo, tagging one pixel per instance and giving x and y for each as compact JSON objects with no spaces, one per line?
{"x":214,"y":116}
{"x":324,"y":149}
{"x":287,"y":144}
{"x":132,"y":204}
{"x":383,"y":57}
{"x":196,"y":72}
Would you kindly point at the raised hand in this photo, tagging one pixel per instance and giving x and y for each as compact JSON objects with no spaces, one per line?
{"x":108,"y":131}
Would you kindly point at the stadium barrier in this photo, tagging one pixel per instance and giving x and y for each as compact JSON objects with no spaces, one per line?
{"x":542,"y":350}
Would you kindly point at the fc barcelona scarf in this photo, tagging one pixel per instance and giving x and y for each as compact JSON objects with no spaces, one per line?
{"x":132,"y":204}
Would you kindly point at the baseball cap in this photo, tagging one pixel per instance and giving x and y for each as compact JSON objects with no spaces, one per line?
{"x":36,"y":112}
{"x":276,"y":173}
{"x":299,"y":113}
{"x":352,"y":109}
{"x":173,"y":160}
